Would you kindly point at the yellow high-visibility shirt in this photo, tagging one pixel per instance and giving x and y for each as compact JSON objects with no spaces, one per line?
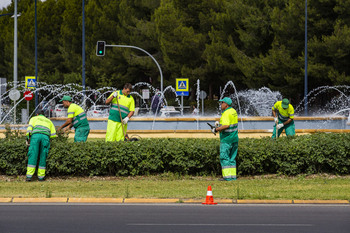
{"x":229,"y":117}
{"x":79,"y":116}
{"x":283,"y":114}
{"x":126,"y":105}
{"x":41,"y":124}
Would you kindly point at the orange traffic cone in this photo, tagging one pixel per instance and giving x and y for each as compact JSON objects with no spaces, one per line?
{"x":210,"y":199}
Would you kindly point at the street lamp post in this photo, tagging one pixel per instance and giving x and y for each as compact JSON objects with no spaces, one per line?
{"x":83,"y":49}
{"x":305,"y":78}
{"x":15,"y":57}
{"x":14,"y":15}
{"x":36,"y":58}
{"x":15,"y":47}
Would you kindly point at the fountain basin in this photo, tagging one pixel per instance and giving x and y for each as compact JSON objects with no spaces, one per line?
{"x":196,"y":133}
{"x":200,"y":123}
{"x":187,"y":127}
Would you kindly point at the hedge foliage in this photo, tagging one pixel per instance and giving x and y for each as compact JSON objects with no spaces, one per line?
{"x":309,"y":154}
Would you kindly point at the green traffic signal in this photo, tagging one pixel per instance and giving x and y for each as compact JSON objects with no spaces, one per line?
{"x":100,"y":48}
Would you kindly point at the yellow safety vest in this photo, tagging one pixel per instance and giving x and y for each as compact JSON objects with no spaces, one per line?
{"x":41,"y":124}
{"x":229,"y":117}
{"x":126,"y":105}
{"x":283,"y":114}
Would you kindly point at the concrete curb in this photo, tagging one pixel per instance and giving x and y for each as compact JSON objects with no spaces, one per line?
{"x":39,"y":200}
{"x":95,"y":200}
{"x":154,"y":200}
{"x":321,"y":202}
{"x":5,"y":199}
{"x":141,"y":200}
{"x":264,"y":201}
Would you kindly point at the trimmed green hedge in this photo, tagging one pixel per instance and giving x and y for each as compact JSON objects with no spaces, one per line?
{"x":309,"y":154}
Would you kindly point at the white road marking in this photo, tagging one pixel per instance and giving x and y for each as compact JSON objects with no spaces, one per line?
{"x":218,"y":224}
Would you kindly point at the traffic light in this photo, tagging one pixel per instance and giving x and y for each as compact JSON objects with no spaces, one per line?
{"x":100,"y":49}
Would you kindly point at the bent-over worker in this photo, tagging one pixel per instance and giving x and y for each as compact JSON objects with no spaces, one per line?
{"x":39,"y":132}
{"x":77,"y":119}
{"x":283,"y":114}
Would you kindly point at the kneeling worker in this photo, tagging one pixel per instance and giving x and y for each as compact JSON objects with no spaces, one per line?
{"x":283,"y":113}
{"x":77,"y":119}
{"x":228,"y":128}
{"x":39,"y":132}
{"x":122,"y":109}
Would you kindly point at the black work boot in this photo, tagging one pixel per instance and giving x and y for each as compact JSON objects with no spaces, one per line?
{"x":28,"y":179}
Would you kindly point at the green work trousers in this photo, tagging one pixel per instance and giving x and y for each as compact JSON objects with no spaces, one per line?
{"x":289,"y":129}
{"x":115,"y":131}
{"x":39,"y":148}
{"x":81,"y":134}
{"x":228,"y":153}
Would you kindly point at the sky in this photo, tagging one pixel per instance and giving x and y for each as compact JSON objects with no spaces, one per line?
{"x":5,"y":3}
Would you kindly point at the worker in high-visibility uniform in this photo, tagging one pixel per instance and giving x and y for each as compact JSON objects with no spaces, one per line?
{"x":283,"y":113}
{"x":228,"y":128}
{"x":126,"y":110}
{"x":76,"y":118}
{"x":39,"y":132}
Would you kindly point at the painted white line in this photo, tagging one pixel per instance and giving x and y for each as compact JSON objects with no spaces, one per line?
{"x":218,"y":224}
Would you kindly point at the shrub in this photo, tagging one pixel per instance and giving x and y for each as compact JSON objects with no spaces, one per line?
{"x":309,"y":154}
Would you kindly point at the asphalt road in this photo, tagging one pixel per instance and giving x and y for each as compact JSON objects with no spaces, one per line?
{"x":182,"y":218}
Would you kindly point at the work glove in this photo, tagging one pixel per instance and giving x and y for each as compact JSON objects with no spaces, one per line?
{"x":115,"y":94}
{"x":276,"y":120}
{"x":279,"y":126}
{"x":213,"y":130}
{"x":28,"y":142}
{"x":217,"y":124}
{"x":125,"y":120}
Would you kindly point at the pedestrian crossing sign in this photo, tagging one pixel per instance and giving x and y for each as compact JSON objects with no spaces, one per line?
{"x":182,"y":86}
{"x":30,"y":82}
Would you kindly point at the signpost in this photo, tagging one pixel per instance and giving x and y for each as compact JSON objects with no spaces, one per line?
{"x":28,"y":95}
{"x":202,"y":96}
{"x":145,"y":94}
{"x":182,"y":86}
{"x":182,"y":90}
{"x":2,"y":90}
{"x":14,"y":96}
{"x":30,"y":82}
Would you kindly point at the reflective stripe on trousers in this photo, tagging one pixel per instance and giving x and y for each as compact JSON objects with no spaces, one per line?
{"x":229,"y":172}
{"x":228,"y":153}
{"x":38,"y":149}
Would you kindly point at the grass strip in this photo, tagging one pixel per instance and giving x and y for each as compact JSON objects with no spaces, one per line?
{"x":272,"y":187}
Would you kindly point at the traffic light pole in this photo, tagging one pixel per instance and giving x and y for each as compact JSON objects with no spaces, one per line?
{"x":134,"y":47}
{"x":15,"y":44}
{"x":36,"y":58}
{"x":83,"y":51}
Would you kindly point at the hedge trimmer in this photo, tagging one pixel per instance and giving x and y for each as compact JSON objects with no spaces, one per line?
{"x":211,"y":127}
